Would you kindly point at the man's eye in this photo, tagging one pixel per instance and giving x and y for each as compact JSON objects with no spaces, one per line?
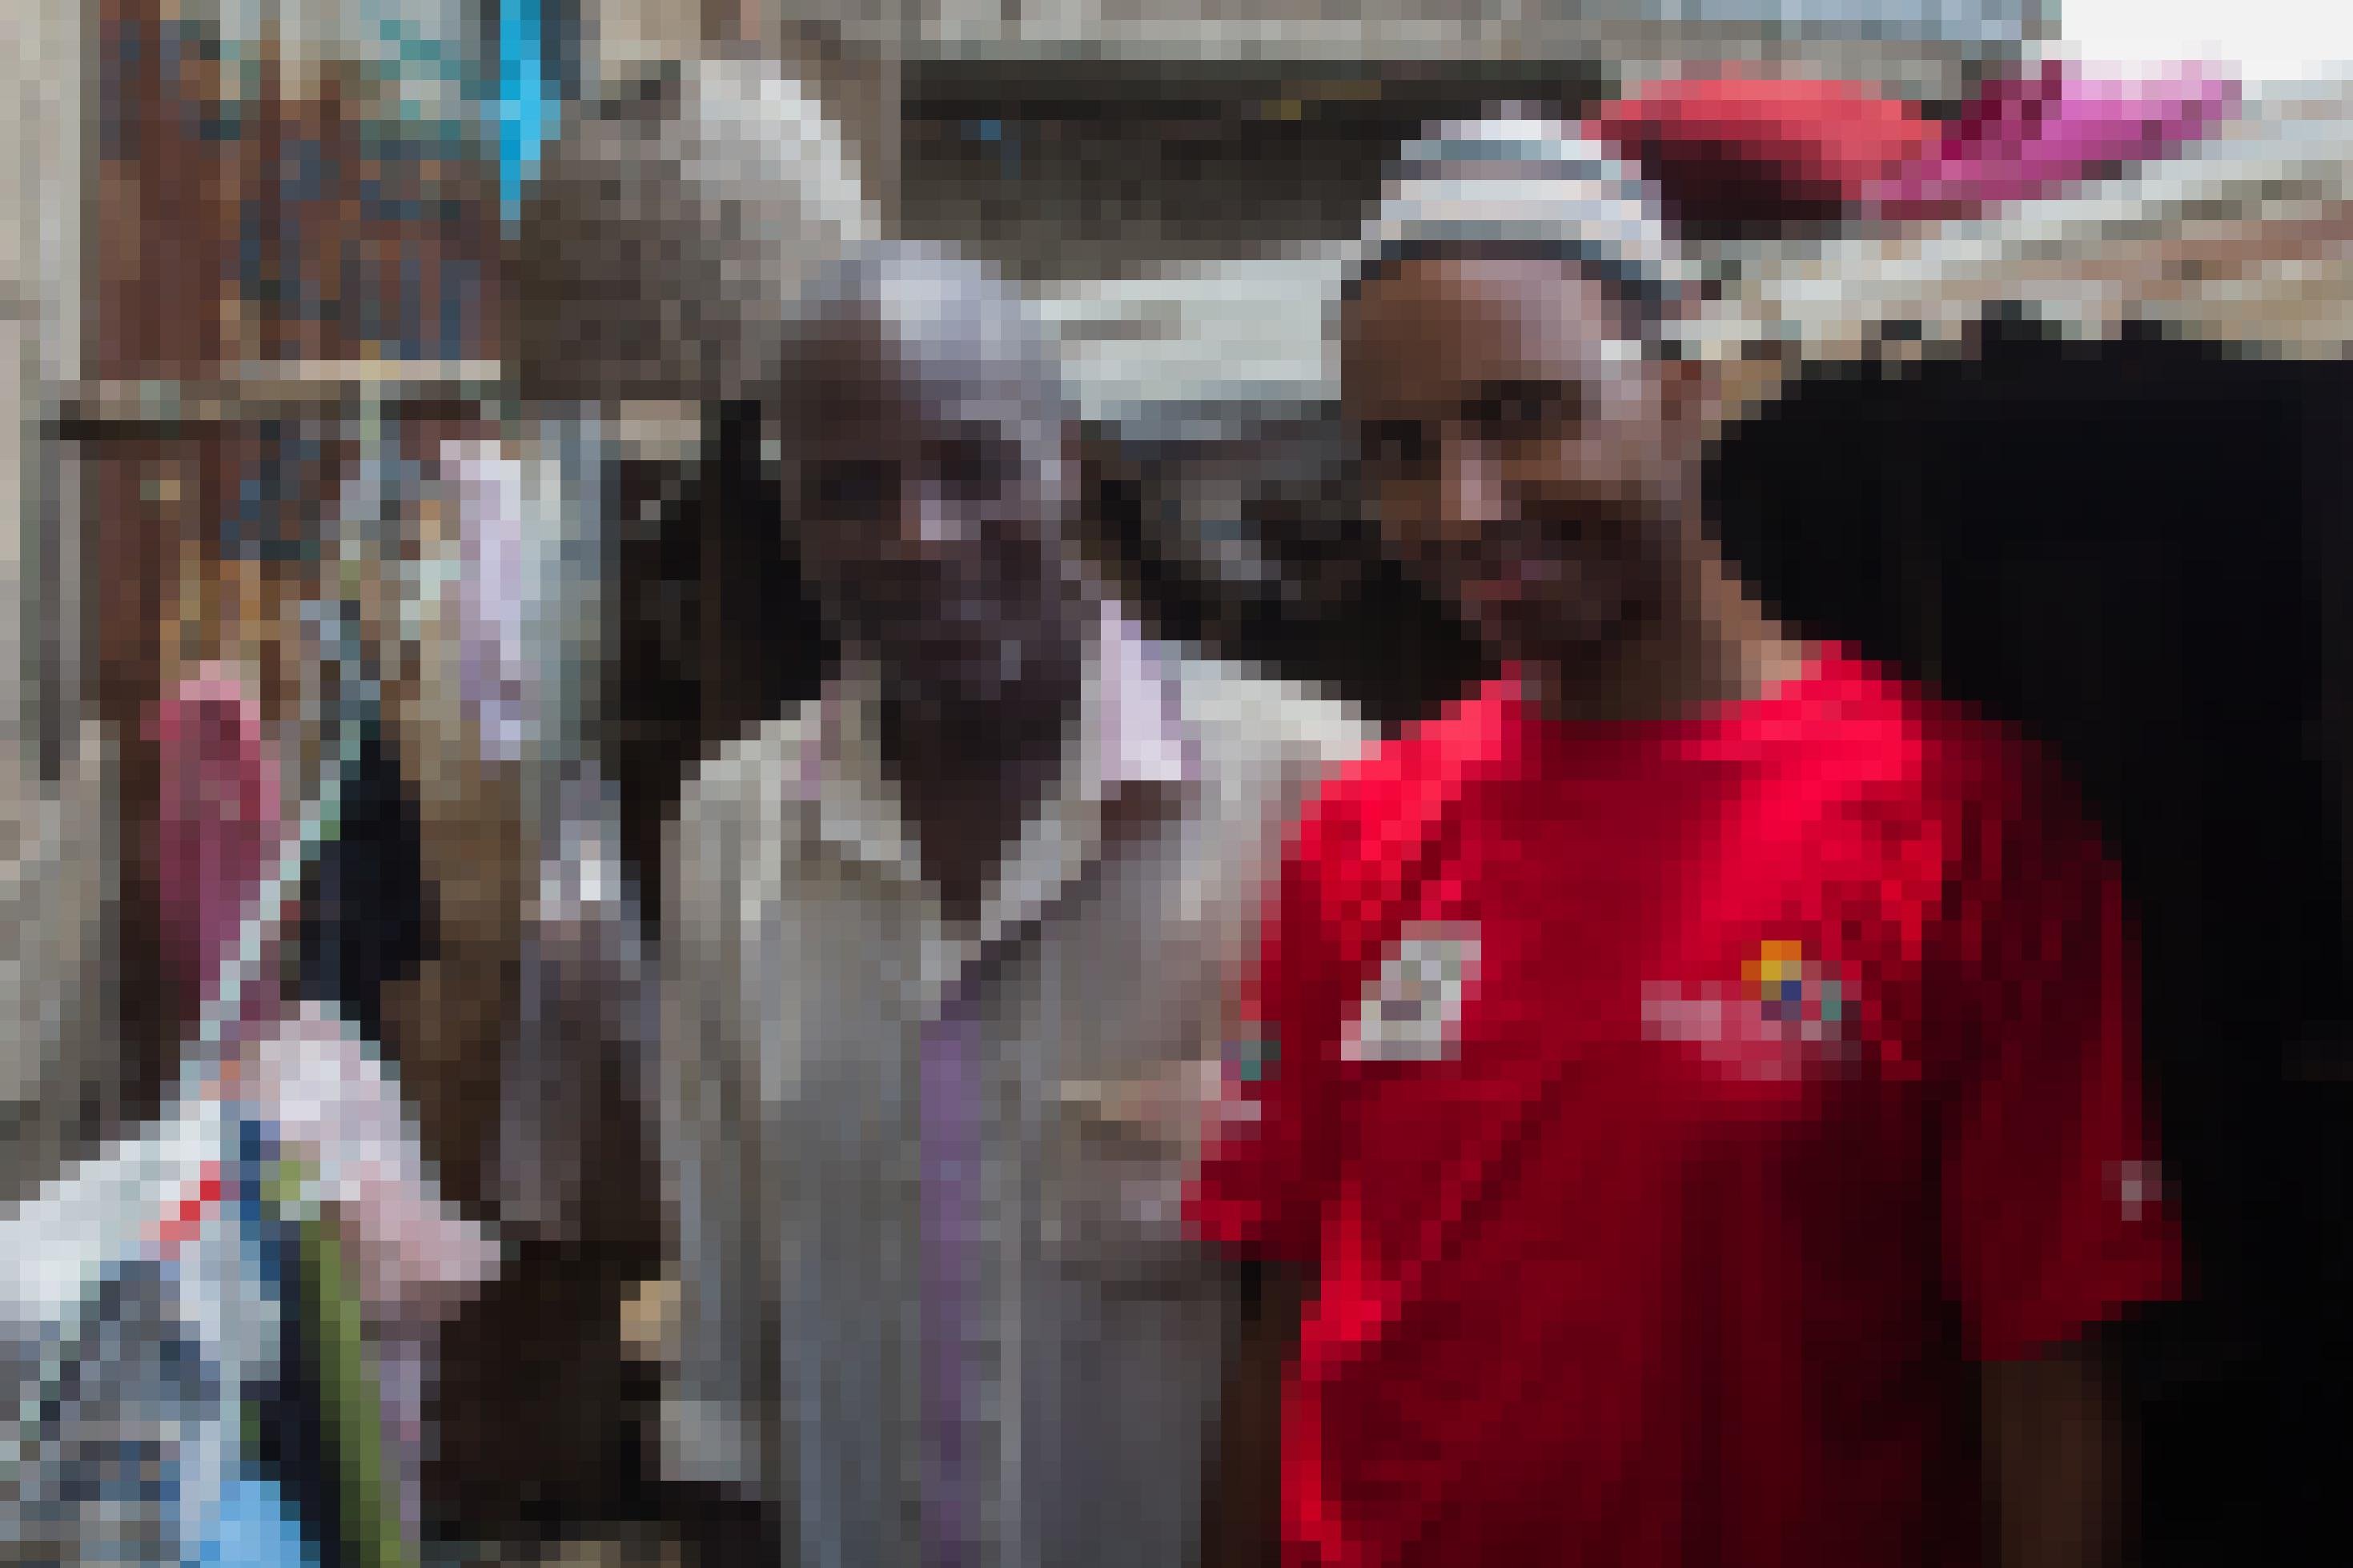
{"x":977,"y":471}
{"x":1394,"y":448}
{"x":850,"y":492}
{"x":1518,"y":415}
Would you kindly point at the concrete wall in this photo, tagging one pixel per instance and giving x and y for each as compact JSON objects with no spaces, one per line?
{"x":41,"y":74}
{"x":1396,"y":30}
{"x":1254,"y":158}
{"x":60,"y":1063}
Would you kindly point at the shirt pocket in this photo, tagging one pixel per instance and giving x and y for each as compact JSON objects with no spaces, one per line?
{"x":1120,"y":1120}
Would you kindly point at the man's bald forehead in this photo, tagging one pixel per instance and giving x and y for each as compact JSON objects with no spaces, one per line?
{"x":929,"y":323}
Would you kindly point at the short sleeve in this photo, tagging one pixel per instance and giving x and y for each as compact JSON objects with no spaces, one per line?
{"x":2054,"y":1212}
{"x":1262,"y":1179}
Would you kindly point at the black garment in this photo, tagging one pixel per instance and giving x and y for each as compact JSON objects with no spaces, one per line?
{"x":368,"y":920}
{"x":1394,"y":652}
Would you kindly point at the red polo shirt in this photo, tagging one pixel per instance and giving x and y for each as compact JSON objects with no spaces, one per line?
{"x":1672,"y":1112}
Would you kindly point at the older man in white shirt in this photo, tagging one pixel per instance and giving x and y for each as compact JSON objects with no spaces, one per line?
{"x":944,"y":947}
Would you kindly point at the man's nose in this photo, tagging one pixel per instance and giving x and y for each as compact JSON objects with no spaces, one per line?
{"x":1470,"y":490}
{"x":928,"y":518}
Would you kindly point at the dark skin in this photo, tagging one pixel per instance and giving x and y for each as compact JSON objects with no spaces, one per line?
{"x":1542,"y":475}
{"x":924,"y":509}
{"x":1546,"y":484}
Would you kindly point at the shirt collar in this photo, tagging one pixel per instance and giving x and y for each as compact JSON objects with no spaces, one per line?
{"x":1127,"y":738}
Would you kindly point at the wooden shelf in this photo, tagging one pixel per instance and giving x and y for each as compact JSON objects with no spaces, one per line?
{"x":267,"y":390}
{"x":335,"y":388}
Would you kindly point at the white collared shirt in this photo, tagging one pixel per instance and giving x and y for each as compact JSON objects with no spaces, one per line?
{"x":804,"y":957}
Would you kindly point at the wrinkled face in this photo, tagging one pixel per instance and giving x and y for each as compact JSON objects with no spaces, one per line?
{"x":1524,"y":457}
{"x":923,"y":492}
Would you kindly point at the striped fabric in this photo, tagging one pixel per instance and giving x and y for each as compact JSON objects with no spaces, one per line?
{"x":1522,"y":181}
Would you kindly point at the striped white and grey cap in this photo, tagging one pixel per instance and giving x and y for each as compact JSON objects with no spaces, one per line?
{"x":1525,"y":183}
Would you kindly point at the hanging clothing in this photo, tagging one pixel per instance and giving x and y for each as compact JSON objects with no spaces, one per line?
{"x":283,"y":1194}
{"x":371,"y":917}
{"x":218,"y":824}
{"x":189,"y":1324}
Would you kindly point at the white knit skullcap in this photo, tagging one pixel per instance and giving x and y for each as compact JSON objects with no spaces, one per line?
{"x":1521,"y":182}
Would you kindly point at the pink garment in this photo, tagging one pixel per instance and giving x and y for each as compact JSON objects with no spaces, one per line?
{"x":330,"y":1095}
{"x":216,"y":829}
{"x":2037,"y":135}
{"x":328,"y":1091}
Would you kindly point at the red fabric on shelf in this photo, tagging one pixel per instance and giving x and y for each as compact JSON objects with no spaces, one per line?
{"x":1738,"y":149}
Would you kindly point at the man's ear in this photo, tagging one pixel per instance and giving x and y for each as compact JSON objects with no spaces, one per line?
{"x":1070,"y":484}
{"x":1693,"y":391}
{"x":1067,"y":469}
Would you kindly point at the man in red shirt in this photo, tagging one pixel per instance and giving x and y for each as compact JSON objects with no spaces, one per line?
{"x":1693,"y":1079}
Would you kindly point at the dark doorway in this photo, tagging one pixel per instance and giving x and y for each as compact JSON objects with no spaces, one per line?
{"x":2131,"y":552}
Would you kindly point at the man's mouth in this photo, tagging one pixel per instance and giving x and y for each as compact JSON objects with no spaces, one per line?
{"x":1496,"y":591}
{"x":1514,"y":582}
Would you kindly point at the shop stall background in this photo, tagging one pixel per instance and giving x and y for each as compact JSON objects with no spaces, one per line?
{"x":292,"y":316}
{"x":2130,"y":549}
{"x":293,"y":302}
{"x":293,"y":237}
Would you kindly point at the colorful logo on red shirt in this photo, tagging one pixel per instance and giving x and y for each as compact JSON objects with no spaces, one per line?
{"x":1788,"y":988}
{"x":1789,"y":1015}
